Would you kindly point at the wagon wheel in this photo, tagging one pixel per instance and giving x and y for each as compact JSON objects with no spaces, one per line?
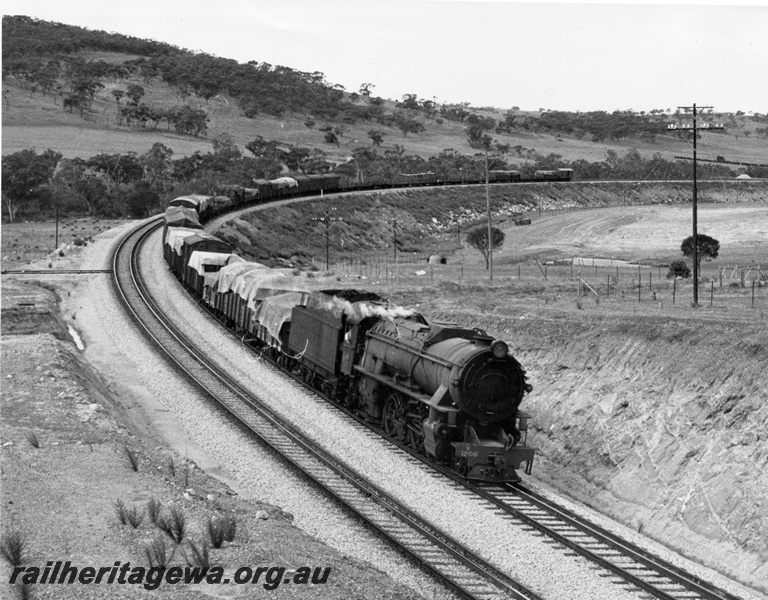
{"x":393,"y":414}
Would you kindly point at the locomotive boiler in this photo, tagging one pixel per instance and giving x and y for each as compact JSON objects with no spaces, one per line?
{"x":453,"y":393}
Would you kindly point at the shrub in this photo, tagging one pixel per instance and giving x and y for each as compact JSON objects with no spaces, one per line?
{"x":215,"y":528}
{"x":199,"y":555}
{"x":230,"y":527}
{"x":157,"y":553}
{"x":174,"y":524}
{"x":132,"y":457}
{"x":221,"y":529}
{"x":121,"y":511}
{"x":153,"y":509}
{"x":134,"y":516}
{"x":678,"y":268}
{"x":13,"y":547}
{"x":32,"y":439}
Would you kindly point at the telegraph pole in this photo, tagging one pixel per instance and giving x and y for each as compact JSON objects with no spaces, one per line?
{"x":695,"y":194}
{"x":394,"y":239}
{"x":488,"y":209}
{"x":327,"y":220}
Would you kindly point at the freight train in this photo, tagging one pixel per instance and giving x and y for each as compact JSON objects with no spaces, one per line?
{"x":260,"y":191}
{"x":449,"y":392}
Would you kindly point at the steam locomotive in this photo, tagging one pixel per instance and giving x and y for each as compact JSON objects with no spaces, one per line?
{"x":449,"y":392}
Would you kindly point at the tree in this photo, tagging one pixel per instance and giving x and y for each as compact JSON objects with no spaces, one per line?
{"x":135,"y":92}
{"x":678,"y":268}
{"x":707,"y":247}
{"x":142,"y":200}
{"x":376,"y":136}
{"x":118,"y":94}
{"x":158,"y":166}
{"x":478,"y":239}
{"x":365,"y":89}
{"x":24,"y":173}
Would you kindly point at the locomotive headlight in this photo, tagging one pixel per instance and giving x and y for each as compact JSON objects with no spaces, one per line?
{"x":499,"y":349}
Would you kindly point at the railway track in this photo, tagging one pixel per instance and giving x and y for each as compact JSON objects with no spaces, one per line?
{"x":627,"y":563}
{"x":624,"y":560}
{"x":445,"y":558}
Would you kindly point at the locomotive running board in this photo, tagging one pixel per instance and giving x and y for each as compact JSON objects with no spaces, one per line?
{"x":389,"y":381}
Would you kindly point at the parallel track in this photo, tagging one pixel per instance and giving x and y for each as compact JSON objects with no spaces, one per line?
{"x":628,"y":562}
{"x":446,"y":559}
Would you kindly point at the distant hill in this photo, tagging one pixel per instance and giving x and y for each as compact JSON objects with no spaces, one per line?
{"x":75,"y":82}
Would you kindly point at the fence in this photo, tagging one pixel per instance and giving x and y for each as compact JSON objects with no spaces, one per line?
{"x":601,"y":280}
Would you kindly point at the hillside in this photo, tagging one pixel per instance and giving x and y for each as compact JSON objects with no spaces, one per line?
{"x":43,"y":63}
{"x":39,"y":121}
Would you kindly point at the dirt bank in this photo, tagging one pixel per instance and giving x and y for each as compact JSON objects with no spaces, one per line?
{"x":659,"y":423}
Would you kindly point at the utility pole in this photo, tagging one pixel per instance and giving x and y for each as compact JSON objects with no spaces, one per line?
{"x":488,"y":209}
{"x":56,"y":241}
{"x":327,"y":220}
{"x":394,"y":239}
{"x":695,"y":194}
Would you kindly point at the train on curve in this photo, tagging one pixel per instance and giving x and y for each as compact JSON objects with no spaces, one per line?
{"x":267,"y":190}
{"x":450,"y":392}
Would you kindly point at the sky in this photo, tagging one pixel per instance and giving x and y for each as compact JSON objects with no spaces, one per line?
{"x":559,"y":56}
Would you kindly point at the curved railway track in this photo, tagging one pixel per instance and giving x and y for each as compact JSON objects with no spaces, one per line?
{"x":627,"y":563}
{"x":445,"y":558}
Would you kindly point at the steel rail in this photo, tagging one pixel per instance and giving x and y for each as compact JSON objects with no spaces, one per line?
{"x":641,"y":568}
{"x":456,"y":566}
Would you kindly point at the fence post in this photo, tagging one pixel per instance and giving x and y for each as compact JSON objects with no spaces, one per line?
{"x":753,"y":293}
{"x":608,"y":286}
{"x":639,"y":282}
{"x":721,"y":276}
{"x":674,"y":289}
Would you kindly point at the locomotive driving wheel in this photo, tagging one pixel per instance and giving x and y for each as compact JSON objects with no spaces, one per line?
{"x":392,"y":420}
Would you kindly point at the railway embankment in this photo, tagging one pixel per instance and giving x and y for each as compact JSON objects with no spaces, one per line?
{"x":425,"y":219}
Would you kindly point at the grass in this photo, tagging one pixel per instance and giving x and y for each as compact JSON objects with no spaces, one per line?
{"x":153,"y":510}
{"x":134,"y":516}
{"x":132,"y":457}
{"x":157,"y":552}
{"x":13,"y":547}
{"x":32,"y":439}
{"x":174,"y":524}
{"x":24,"y":242}
{"x":221,"y":529}
{"x":199,"y":555}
